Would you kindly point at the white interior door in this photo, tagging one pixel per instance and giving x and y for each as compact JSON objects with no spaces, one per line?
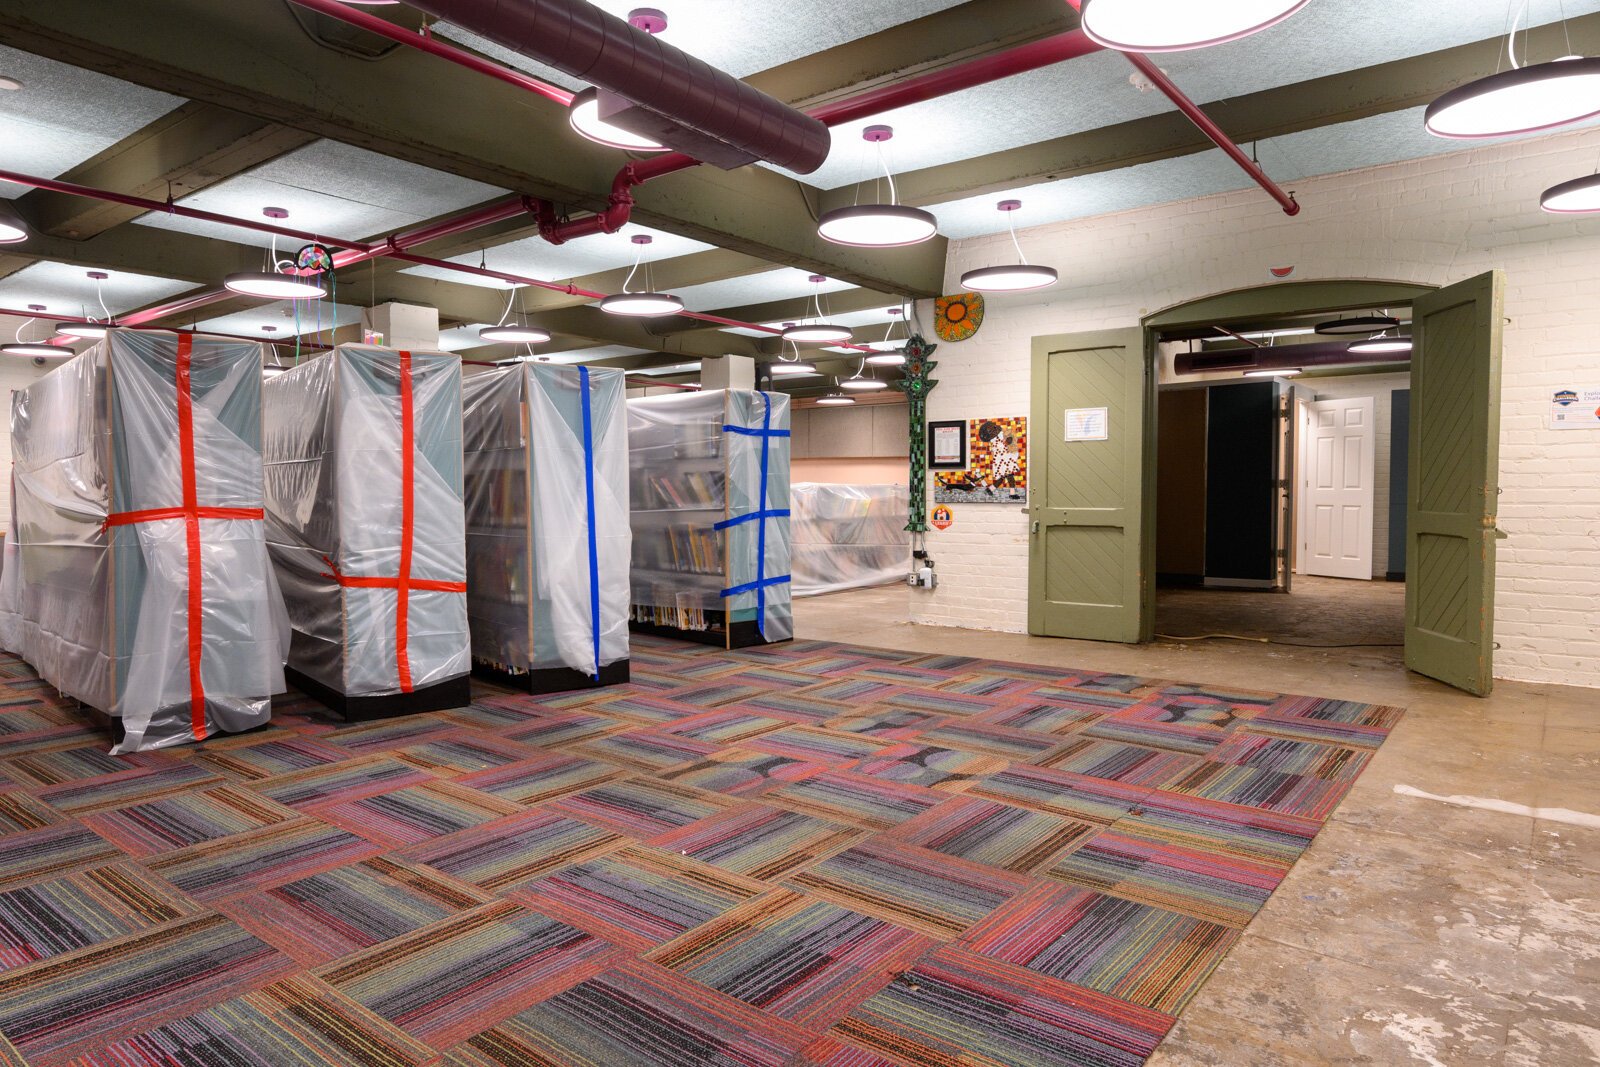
{"x":1337,"y":481}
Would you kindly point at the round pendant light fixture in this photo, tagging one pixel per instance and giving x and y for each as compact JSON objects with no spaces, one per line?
{"x":834,"y":400}
{"x":1285,"y":372}
{"x":1176,"y":25}
{"x":32,"y":349}
{"x":863,"y":385}
{"x":1357,"y":326}
{"x":1015,"y":278}
{"x":514,"y":334}
{"x":12,"y":228}
{"x":643,"y":304}
{"x":1382,"y":344}
{"x":272,"y":285}
{"x":895,"y":358}
{"x":793,"y":368}
{"x":1577,"y":197}
{"x":90,"y":329}
{"x":890,"y":225}
{"x":1527,"y":99}
{"x":819,"y":332}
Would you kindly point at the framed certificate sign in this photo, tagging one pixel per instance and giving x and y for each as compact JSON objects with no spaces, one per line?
{"x":947,"y":445}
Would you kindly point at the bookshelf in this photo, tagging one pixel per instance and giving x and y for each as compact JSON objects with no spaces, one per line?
{"x":710,"y":555}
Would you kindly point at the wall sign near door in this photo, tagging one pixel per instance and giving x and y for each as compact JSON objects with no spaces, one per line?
{"x":1575,"y":409}
{"x":947,"y":445}
{"x":1087,"y":424}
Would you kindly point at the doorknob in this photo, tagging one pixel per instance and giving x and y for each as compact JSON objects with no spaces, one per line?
{"x":1035,"y":525}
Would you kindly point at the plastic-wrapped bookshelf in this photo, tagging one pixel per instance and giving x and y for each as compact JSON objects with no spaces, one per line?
{"x":710,"y":549}
{"x":137,"y":578}
{"x":848,"y":536}
{"x":548,"y":539}
{"x":367,"y":529}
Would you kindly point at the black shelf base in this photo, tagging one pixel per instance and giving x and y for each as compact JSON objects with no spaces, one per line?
{"x":744,"y":634}
{"x":455,"y":693}
{"x":552,"y":679}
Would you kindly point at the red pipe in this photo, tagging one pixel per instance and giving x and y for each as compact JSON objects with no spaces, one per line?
{"x":496,"y":211}
{"x":1207,"y":127}
{"x":425,"y":42}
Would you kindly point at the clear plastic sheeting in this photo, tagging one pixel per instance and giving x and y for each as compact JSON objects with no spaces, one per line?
{"x":710,"y":496}
{"x":548,"y":539}
{"x":137,"y":577}
{"x":365,"y":519}
{"x":848,"y":536}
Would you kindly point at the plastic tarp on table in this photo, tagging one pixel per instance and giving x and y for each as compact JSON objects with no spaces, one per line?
{"x":138,"y":580}
{"x":365,"y":520}
{"x":848,"y":536}
{"x":724,"y":454}
{"x":548,"y":539}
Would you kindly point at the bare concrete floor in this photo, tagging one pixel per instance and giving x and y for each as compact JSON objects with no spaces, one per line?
{"x":1326,"y":611}
{"x":1412,"y":931}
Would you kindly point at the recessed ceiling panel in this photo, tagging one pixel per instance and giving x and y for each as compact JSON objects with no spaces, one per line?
{"x":68,"y":290}
{"x":331,"y":189}
{"x":582,"y":355}
{"x":784,"y":283}
{"x":534,"y":257}
{"x":308,"y":319}
{"x":64,"y":115}
{"x":1103,"y":89}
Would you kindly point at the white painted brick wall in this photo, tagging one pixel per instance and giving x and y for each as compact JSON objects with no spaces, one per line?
{"x":1431,"y":221}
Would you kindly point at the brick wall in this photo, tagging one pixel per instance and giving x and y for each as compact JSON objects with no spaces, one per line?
{"x":1430,"y":221}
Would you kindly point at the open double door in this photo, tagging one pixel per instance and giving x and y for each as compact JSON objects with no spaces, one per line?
{"x":1092,"y":497}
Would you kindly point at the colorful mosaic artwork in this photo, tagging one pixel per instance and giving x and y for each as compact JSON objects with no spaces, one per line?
{"x":795,"y":855}
{"x":997,"y":465}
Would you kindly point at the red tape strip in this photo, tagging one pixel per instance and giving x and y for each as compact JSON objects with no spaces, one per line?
{"x":191,"y":506}
{"x":402,"y":586}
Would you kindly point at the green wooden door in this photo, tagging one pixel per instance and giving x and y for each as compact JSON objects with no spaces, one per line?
{"x":1085,"y":561}
{"x":1451,"y":498}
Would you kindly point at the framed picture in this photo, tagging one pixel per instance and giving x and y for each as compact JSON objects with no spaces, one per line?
{"x":947,"y":446}
{"x":996,"y":471}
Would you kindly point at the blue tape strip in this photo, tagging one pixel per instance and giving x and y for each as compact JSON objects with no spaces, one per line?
{"x":763,"y":432}
{"x":594,"y":554}
{"x":756,"y":587}
{"x":761,"y":521}
{"x":777,"y":513}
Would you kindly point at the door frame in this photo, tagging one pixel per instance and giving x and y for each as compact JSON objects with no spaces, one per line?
{"x":1280,"y":298}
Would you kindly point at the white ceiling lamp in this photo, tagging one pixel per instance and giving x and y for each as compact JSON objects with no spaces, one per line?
{"x":890,"y":225}
{"x":279,"y":282}
{"x":12,"y":228}
{"x":91,"y":329}
{"x":643,"y":304}
{"x":1524,"y":99}
{"x":583,"y":114}
{"x":1286,"y":372}
{"x":1176,"y":25}
{"x":516,"y":333}
{"x":819,"y":332}
{"x":1580,"y":196}
{"x":894,"y":357}
{"x":1382,"y":344}
{"x":833,"y":400}
{"x":861,"y":382}
{"x":791,"y":368}
{"x":1016,"y":278}
{"x":33,"y":349}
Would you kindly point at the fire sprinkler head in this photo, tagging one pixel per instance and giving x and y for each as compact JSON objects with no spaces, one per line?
{"x":269,"y":329}
{"x":99,"y":275}
{"x":275,"y":212}
{"x":877,"y":134}
{"x":648,"y":19}
{"x":35,"y":307}
{"x":642,"y":238}
{"x":1009,"y":205}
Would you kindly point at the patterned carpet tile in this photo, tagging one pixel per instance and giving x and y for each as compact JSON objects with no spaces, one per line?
{"x":1252,"y":834}
{"x":995,"y":834}
{"x":1198,"y":882}
{"x":768,"y":679}
{"x":651,"y":751}
{"x":1189,"y":711}
{"x":642,"y":807}
{"x":808,"y":706}
{"x":337,"y":783}
{"x":33,"y":854}
{"x":946,"y":769}
{"x":645,"y":710}
{"x":852,"y":692}
{"x":989,"y":683}
{"x":260,"y":858}
{"x":465,"y":752}
{"x":889,"y":723}
{"x":498,"y":855}
{"x":989,"y":739}
{"x":640,"y":1015}
{"x":129,"y":787}
{"x":544,"y":777}
{"x":957,"y":1007}
{"x":743,"y":773}
{"x":551,"y":731}
{"x":638,"y":897}
{"x":1334,"y":712}
{"x":258,"y":759}
{"x":53,"y":767}
{"x":77,"y":910}
{"x":18,"y":811}
{"x":1330,"y":762}
{"x":1119,"y":762}
{"x":855,"y":799}
{"x":940,"y":703}
{"x":1042,"y":717}
{"x":299,"y":1022}
{"x":725,"y":727}
{"x":464,"y":974}
{"x":76,"y":1002}
{"x":1190,"y":740}
{"x":717,"y":694}
{"x":758,"y":841}
{"x":821,"y":746}
{"x":1145,"y":955}
{"x":186,"y":819}
{"x":1292,"y":794}
{"x":417,"y":813}
{"x":937,"y":895}
{"x":1078,"y":796}
{"x":331,"y":914}
{"x":801,"y":959}
{"x":387,"y":734}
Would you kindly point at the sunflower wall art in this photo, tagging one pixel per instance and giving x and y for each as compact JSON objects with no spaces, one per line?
{"x":958,"y":316}
{"x":997,"y":465}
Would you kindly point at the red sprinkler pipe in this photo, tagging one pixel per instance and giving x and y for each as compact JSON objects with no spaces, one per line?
{"x":426,"y":42}
{"x":1203,"y":122}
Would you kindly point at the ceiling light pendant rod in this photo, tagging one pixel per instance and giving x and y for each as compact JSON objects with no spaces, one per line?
{"x":1203,"y":122}
{"x":435,"y":47}
{"x":80,"y":320}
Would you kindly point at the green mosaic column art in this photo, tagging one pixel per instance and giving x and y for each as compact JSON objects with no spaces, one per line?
{"x":916,"y":384}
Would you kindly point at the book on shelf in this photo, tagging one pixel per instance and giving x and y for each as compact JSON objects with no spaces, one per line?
{"x":680,"y":489}
{"x":690,"y":549}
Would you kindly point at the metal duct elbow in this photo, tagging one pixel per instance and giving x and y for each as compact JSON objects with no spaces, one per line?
{"x":664,"y":89}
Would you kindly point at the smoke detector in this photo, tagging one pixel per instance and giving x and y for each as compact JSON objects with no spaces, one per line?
{"x":1140,"y":81}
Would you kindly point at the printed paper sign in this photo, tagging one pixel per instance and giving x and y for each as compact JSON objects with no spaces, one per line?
{"x":1087,"y":424}
{"x":1575,"y":409}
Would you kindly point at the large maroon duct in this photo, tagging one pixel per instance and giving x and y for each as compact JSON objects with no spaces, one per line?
{"x":664,"y":89}
{"x":1281,"y":357}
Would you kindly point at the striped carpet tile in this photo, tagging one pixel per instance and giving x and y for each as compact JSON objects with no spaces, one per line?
{"x":1227,"y":829}
{"x":995,"y":834}
{"x":77,"y":910}
{"x":544,"y":777}
{"x":33,"y":854}
{"x":1042,"y":717}
{"x":1331,"y":762}
{"x":945,"y":769}
{"x":1058,"y":792}
{"x":263,"y":759}
{"x":757,"y":841}
{"x":464,"y":753}
{"x":58,"y":765}
{"x":499,"y":854}
{"x":889,"y":723}
{"x":1119,"y":762}
{"x":1189,"y":740}
{"x":186,"y":819}
{"x":801,"y":959}
{"x":956,"y":1007}
{"x":989,"y":739}
{"x":339,"y":782}
{"x":19,"y":811}
{"x":742,"y":773}
{"x":257,"y":859}
{"x":641,"y":807}
{"x":650,"y":751}
{"x":1135,"y":952}
{"x":116,"y":790}
{"x":417,"y":813}
{"x":821,"y":746}
{"x":855,"y":799}
{"x":551,"y":731}
{"x":1272,"y":790}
